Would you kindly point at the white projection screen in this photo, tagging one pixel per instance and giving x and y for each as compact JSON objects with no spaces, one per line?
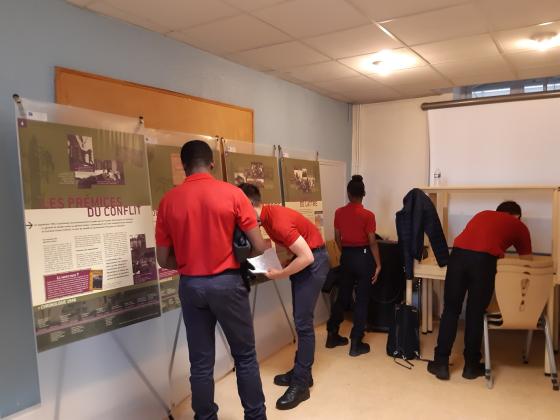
{"x":510,"y":143}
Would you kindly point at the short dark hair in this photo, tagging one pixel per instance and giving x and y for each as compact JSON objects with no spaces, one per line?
{"x":510,"y":207}
{"x":195,"y":153}
{"x":356,"y":187}
{"x":252,"y":192}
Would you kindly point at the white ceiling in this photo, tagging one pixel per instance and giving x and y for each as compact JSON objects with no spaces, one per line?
{"x":322,"y":44}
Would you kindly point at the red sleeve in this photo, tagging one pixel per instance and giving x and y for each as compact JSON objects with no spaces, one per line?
{"x":337,"y":219}
{"x":522,"y":242}
{"x":245,"y":215}
{"x":163,"y":238}
{"x":370,"y":223}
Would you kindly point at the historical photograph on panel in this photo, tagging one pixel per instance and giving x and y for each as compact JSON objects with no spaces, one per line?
{"x":261,"y":171}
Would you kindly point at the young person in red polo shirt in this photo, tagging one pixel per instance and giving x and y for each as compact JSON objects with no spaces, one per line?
{"x":194,"y":234}
{"x":307,"y":272}
{"x":354,"y":229}
{"x":472,"y":269}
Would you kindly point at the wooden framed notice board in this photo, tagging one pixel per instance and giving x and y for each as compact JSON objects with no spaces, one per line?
{"x":161,"y":109}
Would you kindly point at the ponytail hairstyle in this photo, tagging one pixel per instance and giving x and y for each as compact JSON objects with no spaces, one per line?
{"x":356,"y":187}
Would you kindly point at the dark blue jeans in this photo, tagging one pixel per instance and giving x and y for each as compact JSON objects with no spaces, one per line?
{"x":358,"y":266}
{"x":306,"y":287}
{"x":222,"y":298}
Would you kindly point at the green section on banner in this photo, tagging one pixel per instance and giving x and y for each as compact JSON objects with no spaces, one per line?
{"x":67,"y":166}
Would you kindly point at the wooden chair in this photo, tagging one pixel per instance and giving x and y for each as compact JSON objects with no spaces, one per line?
{"x":334,"y":253}
{"x":521,"y":295}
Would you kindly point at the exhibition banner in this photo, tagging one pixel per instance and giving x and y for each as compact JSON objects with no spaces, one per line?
{"x":166,"y":172}
{"x":261,"y":171}
{"x":301,"y":182}
{"x":89,"y":228}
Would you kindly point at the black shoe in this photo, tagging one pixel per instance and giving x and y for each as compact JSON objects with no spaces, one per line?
{"x":473,"y":370}
{"x":334,"y":340}
{"x":358,"y":347}
{"x":294,"y":395}
{"x":285,"y":379}
{"x":440,"y":370}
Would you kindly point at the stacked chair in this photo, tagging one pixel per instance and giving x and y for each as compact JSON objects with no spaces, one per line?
{"x":522,"y":290}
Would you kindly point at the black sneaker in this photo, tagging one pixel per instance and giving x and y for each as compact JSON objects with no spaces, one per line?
{"x":335,"y":340}
{"x":473,"y":370}
{"x":358,"y":348}
{"x":294,"y":395}
{"x":285,"y":379}
{"x":440,"y":370}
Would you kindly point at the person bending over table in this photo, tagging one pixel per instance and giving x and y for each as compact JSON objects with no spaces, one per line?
{"x":354,"y":228}
{"x":307,"y":273}
{"x":194,"y":235}
{"x":472,"y":268}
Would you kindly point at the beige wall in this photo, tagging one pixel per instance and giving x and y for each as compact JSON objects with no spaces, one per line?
{"x":391,"y":151}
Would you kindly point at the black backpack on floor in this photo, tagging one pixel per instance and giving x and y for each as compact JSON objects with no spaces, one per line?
{"x":403,"y":341}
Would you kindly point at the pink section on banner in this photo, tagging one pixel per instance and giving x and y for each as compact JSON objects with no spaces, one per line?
{"x":165,"y":273}
{"x":66,"y":284}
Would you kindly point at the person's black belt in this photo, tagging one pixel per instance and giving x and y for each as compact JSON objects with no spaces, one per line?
{"x":319,"y":248}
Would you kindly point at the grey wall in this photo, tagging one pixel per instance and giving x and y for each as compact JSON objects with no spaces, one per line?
{"x":36,"y":36}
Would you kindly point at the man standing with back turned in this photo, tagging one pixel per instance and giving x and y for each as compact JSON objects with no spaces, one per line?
{"x":472,"y":268}
{"x":194,"y":234}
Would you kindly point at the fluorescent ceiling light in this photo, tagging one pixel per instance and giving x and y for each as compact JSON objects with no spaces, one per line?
{"x":386,"y":61}
{"x":541,"y":42}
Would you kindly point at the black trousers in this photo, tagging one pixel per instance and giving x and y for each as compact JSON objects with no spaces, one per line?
{"x":357,"y":264}
{"x":306,"y":287}
{"x":473,"y":273}
{"x":222,"y":298}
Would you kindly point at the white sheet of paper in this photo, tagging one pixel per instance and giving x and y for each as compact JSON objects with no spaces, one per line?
{"x":268,"y":260}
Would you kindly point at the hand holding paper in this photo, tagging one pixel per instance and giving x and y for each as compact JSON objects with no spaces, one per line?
{"x":265,"y":262}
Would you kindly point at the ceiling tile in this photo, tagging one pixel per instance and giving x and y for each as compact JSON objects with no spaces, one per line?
{"x":453,"y":22}
{"x":418,"y":90}
{"x":509,"y":14}
{"x":488,"y":65}
{"x":351,"y":85}
{"x":362,"y":63}
{"x":381,"y":10}
{"x":352,"y":42}
{"x":176,"y":14}
{"x":281,"y":56}
{"x":233,"y":34}
{"x":518,"y":40}
{"x":359,"y":89}
{"x":419,"y":75}
{"x":321,"y":72}
{"x":108,"y":10}
{"x":535,"y":59}
{"x":538,"y":72}
{"x":373,"y":97}
{"x":480,"y":79}
{"x":250,"y":5}
{"x":306,"y":18}
{"x":458,"y":49}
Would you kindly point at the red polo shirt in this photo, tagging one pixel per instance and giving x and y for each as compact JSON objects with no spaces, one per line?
{"x":354,"y":223}
{"x":285,"y":225}
{"x":494,"y":232}
{"x":197,"y":219}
